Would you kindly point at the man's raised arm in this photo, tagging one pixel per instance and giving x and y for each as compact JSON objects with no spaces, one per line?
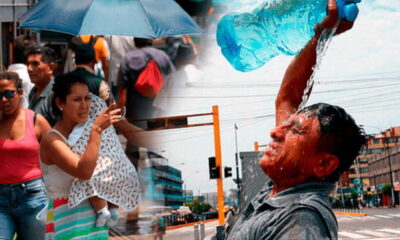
{"x":300,"y":69}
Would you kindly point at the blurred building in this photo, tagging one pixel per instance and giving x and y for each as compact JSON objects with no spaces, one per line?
{"x":367,"y":169}
{"x":161,"y":183}
{"x":230,"y":198}
{"x":10,"y":11}
{"x":384,"y":166}
{"x":188,"y":195}
{"x":210,"y":198}
{"x":253,"y":177}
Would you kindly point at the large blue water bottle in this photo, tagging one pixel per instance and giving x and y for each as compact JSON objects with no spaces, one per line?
{"x":249,"y":40}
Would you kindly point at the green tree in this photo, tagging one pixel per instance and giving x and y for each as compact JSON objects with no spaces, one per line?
{"x":198,"y":206}
{"x":354,"y":195}
{"x":386,"y":189}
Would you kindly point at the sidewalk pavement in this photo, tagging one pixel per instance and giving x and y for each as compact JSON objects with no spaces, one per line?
{"x":130,"y":230}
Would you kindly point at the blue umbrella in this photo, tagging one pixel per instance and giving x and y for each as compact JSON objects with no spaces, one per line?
{"x":138,"y":18}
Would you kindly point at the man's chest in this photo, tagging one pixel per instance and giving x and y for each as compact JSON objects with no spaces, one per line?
{"x":250,"y":225}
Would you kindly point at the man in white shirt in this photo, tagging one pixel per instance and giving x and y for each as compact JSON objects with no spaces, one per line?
{"x":21,"y":44}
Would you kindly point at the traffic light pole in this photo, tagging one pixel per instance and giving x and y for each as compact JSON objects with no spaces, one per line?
{"x":168,"y":123}
{"x":218,"y":163}
{"x":237,"y":167}
{"x":257,"y":146}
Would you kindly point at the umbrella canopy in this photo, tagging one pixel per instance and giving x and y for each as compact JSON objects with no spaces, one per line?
{"x":137,"y":18}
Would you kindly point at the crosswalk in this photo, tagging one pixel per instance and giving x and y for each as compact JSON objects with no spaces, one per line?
{"x":369,"y":234}
{"x":366,"y":218}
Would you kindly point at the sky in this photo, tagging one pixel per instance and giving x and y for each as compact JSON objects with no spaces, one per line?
{"x":360,"y":72}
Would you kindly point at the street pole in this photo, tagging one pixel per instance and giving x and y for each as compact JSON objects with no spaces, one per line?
{"x":218,"y":163}
{"x":360,"y":184}
{"x":237,"y":166}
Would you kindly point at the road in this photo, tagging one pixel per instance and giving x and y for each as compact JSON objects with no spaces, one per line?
{"x":187,"y":233}
{"x":378,"y":224}
{"x":382,"y":224}
{"x":126,"y":232}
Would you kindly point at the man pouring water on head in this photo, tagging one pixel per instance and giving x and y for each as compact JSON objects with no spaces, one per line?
{"x":310,"y":149}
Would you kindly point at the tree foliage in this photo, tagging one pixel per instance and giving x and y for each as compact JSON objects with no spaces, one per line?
{"x":198,"y":206}
{"x":386,"y":189}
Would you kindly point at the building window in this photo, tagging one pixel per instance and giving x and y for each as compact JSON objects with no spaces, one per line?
{"x":376,"y":141}
{"x":376,"y":150}
{"x":363,"y":160}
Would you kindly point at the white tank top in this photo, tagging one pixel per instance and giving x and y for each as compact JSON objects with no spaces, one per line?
{"x":57,"y":181}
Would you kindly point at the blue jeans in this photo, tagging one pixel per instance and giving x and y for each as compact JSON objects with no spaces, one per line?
{"x":19,"y":205}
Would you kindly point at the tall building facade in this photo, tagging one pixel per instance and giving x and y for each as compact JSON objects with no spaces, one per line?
{"x":161,"y":183}
{"x":364,"y":169}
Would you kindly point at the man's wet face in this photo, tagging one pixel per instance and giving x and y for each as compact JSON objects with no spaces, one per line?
{"x":292,"y":153}
{"x":39,"y":72}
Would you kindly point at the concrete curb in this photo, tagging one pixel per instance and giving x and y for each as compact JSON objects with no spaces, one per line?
{"x":351,"y":214}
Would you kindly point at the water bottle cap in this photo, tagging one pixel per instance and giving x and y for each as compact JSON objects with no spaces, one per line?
{"x":347,"y":9}
{"x":351,"y":12}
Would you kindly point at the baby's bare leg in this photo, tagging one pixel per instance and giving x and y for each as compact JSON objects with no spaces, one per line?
{"x":110,"y":205}
{"x":97,"y":203}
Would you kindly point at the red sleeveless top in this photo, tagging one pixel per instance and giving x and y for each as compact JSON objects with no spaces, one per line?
{"x":19,"y":159}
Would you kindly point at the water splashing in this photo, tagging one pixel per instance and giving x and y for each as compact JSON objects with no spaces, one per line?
{"x":322,"y":46}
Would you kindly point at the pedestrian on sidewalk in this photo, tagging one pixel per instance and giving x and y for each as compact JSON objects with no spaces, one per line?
{"x":41,"y":63}
{"x":21,"y":45}
{"x":158,"y":227}
{"x":60,"y":165}
{"x":22,"y":190}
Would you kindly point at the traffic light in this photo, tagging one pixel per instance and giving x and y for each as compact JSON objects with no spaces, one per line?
{"x":227,"y":172}
{"x":214,"y":170}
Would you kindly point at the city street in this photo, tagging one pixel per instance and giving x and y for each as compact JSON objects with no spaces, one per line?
{"x":188,"y":232}
{"x":184,"y":233}
{"x":378,"y":224}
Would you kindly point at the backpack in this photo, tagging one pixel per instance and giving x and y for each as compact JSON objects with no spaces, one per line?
{"x":77,"y":41}
{"x":150,"y":79}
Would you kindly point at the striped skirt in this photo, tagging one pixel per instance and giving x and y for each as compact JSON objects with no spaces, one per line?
{"x":65,"y":223}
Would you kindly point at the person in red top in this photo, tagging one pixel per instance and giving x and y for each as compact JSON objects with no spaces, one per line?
{"x":22,"y":190}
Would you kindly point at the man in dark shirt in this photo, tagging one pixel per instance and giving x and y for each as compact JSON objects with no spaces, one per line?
{"x":85,"y":61}
{"x":310,"y":149}
{"x":41,"y":63}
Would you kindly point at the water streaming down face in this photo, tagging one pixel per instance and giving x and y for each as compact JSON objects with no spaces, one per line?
{"x":322,"y":47}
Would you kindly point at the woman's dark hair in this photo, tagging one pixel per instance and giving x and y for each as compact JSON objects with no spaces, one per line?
{"x":339,"y":135}
{"x":12,"y":76}
{"x":62,"y":87}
